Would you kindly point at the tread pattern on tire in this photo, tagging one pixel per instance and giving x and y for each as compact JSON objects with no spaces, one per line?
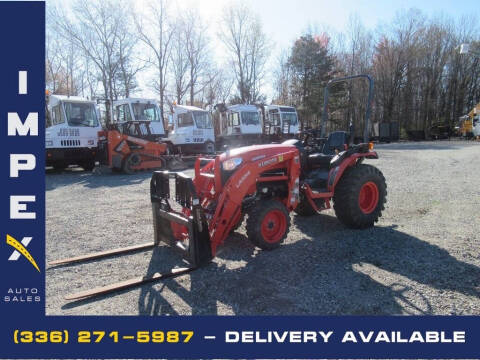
{"x":239,"y":223}
{"x":345,"y":199}
{"x":254,"y":221}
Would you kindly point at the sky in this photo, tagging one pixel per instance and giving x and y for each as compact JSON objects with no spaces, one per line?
{"x":286,"y":20}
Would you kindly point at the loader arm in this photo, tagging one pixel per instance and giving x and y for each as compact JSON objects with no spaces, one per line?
{"x":211,"y":207}
{"x":245,"y":182}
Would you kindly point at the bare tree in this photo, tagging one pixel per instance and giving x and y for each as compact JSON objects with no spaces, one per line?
{"x":156,"y":32}
{"x":282,"y":79}
{"x":95,"y":28}
{"x":197,"y":51}
{"x":128,"y":65}
{"x":64,"y":75}
{"x":179,"y":63}
{"x":53,"y":65}
{"x":218,"y":86}
{"x":248,"y":47}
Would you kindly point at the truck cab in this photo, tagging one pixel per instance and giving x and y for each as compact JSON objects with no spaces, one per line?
{"x":281,"y":119}
{"x":71,"y":132}
{"x":190,"y":130}
{"x":139,"y":109}
{"x":238,"y":125}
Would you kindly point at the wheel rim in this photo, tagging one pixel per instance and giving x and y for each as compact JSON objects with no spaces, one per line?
{"x":273,"y":226}
{"x":368,"y":197}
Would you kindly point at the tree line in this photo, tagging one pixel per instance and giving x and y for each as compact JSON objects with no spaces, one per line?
{"x":421,"y":79}
{"x":98,"y":49}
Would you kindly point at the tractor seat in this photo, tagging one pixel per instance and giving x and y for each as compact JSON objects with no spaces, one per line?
{"x":336,"y":141}
{"x":319,"y":160}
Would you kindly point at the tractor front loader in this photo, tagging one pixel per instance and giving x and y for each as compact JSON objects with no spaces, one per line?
{"x":264,"y":184}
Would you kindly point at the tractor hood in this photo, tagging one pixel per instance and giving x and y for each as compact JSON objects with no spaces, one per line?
{"x":256,"y":152}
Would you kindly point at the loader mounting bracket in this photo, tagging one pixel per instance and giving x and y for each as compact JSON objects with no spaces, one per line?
{"x":193,"y":239}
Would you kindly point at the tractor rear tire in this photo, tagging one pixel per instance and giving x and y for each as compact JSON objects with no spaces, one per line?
{"x":360,"y":196}
{"x":268,"y":224}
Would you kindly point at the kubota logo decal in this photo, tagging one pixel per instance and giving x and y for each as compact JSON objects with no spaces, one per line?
{"x":242,"y":179}
{"x":20,"y":248}
{"x":268,"y":162}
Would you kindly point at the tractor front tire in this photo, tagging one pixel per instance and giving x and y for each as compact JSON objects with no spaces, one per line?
{"x":268,"y":224}
{"x":360,"y":196}
{"x":239,"y":223}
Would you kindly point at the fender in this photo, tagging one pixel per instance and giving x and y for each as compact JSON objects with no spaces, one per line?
{"x":336,"y":173}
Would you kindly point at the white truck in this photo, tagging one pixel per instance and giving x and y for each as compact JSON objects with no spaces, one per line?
{"x":190,"y":130}
{"x":280,"y":119}
{"x":139,"y":109}
{"x":71,"y":136}
{"x":238,"y":125}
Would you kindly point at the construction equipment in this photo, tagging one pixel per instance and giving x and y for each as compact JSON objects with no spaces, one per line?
{"x":124,"y":146}
{"x":237,"y":125}
{"x":465,"y":129}
{"x":469,"y":125}
{"x":474,"y":116}
{"x":71,"y":131}
{"x":265,"y":182}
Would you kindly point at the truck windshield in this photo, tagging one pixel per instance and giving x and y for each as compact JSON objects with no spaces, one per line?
{"x":291,"y":117}
{"x":81,"y":114}
{"x":250,"y":118}
{"x":203,"y":119}
{"x":145,"y":112}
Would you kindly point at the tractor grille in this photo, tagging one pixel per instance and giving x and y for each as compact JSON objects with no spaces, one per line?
{"x":70,"y":143}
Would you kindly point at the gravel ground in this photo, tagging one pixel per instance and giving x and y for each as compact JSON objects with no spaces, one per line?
{"x":423,"y":257}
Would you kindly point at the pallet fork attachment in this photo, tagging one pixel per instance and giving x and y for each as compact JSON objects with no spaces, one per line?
{"x":102,"y":254}
{"x":126,"y":284}
{"x":187,"y":230}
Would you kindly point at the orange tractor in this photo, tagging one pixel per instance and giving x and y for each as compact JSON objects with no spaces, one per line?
{"x":264,"y":182}
{"x":127,"y":147}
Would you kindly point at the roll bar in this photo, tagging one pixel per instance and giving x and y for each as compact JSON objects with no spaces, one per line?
{"x":369,"y":102}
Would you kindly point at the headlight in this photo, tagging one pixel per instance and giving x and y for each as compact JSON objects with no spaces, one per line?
{"x":48,"y":142}
{"x":231,"y":164}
